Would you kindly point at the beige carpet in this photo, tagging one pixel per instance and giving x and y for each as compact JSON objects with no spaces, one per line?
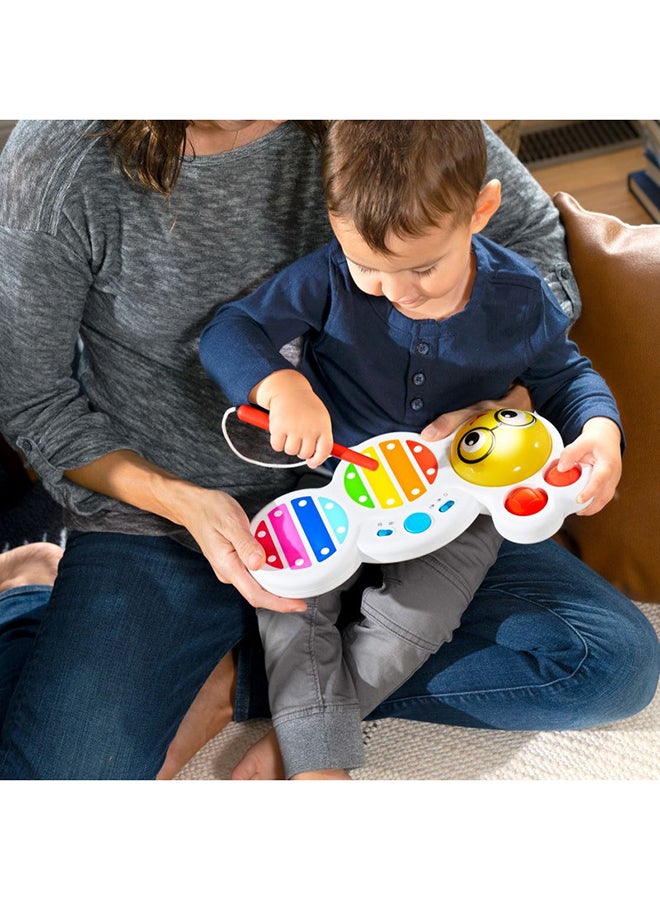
{"x":400,"y":750}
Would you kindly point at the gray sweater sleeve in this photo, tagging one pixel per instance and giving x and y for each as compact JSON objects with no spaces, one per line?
{"x":42,"y":409}
{"x":45,"y":278}
{"x":529,"y":223}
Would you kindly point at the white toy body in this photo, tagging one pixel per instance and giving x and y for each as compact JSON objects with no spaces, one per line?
{"x":421,"y":497}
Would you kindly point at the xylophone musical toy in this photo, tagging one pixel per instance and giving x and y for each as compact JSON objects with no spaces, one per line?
{"x":397,"y":497}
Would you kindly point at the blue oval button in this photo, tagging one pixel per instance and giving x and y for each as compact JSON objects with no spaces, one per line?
{"x":384,"y":532}
{"x":417,"y":522}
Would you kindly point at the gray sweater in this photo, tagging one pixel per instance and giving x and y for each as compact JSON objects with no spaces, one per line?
{"x":138,"y":276}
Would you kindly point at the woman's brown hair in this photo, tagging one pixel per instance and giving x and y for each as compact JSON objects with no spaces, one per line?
{"x":150,"y":152}
{"x":402,"y":177}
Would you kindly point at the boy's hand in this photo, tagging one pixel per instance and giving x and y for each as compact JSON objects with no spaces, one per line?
{"x":599,"y":445}
{"x":517,"y":398}
{"x":299,"y":422}
{"x":300,"y":426}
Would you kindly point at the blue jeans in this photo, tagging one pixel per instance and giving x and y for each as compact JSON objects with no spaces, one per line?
{"x":95,"y":679}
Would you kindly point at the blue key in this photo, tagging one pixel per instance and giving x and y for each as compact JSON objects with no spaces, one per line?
{"x":315,"y":531}
{"x":417,"y":522}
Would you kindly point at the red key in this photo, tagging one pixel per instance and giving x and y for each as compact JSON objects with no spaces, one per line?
{"x":562,"y":479}
{"x":525,"y":501}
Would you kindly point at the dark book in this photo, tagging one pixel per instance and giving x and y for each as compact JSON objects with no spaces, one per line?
{"x":646,"y":191}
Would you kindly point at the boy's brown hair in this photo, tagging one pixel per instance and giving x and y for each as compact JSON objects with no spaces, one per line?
{"x":402,"y":177}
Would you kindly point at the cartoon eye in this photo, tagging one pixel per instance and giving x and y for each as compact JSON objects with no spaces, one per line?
{"x":516,"y":417}
{"x":476,"y":445}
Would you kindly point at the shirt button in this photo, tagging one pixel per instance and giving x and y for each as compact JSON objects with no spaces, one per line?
{"x":419,"y":378}
{"x":416,"y":404}
{"x":422,"y":348}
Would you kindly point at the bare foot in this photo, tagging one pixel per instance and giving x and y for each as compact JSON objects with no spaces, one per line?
{"x":211,"y":710}
{"x":262,"y":762}
{"x":30,"y":564}
{"x":323,"y":775}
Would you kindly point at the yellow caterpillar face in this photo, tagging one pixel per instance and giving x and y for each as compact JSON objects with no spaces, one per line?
{"x":500,"y":447}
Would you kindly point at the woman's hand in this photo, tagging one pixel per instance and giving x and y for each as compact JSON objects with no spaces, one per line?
{"x":221,"y":529}
{"x":599,"y":445}
{"x":517,"y":398}
{"x":213,"y":518}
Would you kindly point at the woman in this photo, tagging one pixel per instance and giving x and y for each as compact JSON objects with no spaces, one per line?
{"x":131,"y":236}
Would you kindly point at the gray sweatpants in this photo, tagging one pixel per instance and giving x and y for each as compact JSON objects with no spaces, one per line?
{"x":323,"y":682}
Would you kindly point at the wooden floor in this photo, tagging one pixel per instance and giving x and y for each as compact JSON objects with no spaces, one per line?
{"x":599,"y":183}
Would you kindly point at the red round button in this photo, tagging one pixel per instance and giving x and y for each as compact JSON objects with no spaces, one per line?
{"x":562,"y":479}
{"x":525,"y":501}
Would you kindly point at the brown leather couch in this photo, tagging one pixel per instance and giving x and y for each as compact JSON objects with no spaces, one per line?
{"x":617,"y":267}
